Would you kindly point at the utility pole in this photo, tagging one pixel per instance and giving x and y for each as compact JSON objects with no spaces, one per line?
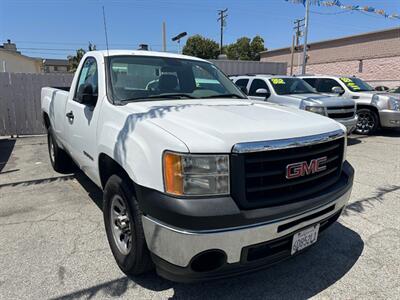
{"x":164,"y":38}
{"x":297,"y":28}
{"x":306,"y":21}
{"x":222,"y":18}
{"x":292,"y":57}
{"x":295,"y":41}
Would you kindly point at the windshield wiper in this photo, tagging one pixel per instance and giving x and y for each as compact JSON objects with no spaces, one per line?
{"x":166,"y":96}
{"x":223,"y":96}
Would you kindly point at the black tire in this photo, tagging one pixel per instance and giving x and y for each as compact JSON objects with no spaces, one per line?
{"x":368,"y":122}
{"x":136,"y":260}
{"x":60,"y":160}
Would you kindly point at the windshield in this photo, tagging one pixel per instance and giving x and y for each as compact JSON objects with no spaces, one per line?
{"x":356,"y":84}
{"x":145,"y":78}
{"x":286,"y":86}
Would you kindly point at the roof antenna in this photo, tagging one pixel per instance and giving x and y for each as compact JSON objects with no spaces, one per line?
{"x":105,"y":29}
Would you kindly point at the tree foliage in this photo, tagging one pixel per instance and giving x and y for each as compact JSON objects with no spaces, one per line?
{"x":73,"y":60}
{"x":245,"y":49}
{"x":202,"y":47}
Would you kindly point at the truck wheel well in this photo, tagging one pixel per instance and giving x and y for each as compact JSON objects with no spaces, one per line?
{"x":373,"y":108}
{"x":109,"y":167}
{"x":46,"y":120}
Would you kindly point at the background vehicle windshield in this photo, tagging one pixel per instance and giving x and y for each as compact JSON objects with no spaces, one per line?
{"x":143,"y":78}
{"x":356,"y":84}
{"x":286,"y":86}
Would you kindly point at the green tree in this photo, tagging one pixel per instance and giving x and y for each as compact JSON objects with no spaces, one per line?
{"x":256,"y":46}
{"x":73,"y":60}
{"x":245,"y":49}
{"x":202,"y":47}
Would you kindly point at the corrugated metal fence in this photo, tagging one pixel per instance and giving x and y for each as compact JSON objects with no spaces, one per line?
{"x":242,"y":67}
{"x":20,"y":112}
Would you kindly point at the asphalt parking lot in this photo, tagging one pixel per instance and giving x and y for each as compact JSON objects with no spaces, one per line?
{"x":53,"y":243}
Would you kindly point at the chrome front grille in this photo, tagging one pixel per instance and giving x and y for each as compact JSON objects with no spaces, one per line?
{"x":341,"y":112}
{"x":259,"y":177}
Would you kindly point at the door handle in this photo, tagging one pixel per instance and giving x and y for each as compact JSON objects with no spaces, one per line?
{"x":70,"y":115}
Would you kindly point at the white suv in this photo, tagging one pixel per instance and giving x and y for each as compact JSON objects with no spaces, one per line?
{"x":295,"y":92}
{"x":374,"y":108}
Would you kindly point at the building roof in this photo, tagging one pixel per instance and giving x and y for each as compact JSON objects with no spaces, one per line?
{"x":347,"y":37}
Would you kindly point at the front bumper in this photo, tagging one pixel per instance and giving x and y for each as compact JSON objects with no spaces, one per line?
{"x":389,"y":118}
{"x":350,"y":124}
{"x":174,"y":248}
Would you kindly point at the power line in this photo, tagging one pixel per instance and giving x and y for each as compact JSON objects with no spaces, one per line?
{"x":330,"y":14}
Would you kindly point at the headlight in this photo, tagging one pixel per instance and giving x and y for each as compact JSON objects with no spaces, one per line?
{"x":192,"y":174}
{"x":375,"y":100}
{"x":394,"y":104}
{"x":316,"y":109}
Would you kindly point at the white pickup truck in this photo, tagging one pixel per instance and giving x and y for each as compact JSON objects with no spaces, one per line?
{"x":295,"y":92}
{"x":198,"y":180}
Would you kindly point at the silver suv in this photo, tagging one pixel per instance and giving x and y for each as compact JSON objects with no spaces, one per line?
{"x":295,"y":92}
{"x":374,"y":108}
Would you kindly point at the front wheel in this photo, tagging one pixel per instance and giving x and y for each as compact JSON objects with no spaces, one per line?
{"x":123,"y":224}
{"x":368,"y":121}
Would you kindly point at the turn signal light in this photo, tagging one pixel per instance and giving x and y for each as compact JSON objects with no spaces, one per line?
{"x":173,"y":174}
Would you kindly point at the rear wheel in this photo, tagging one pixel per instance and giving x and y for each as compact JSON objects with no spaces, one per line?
{"x":60,"y":160}
{"x":368,"y":121}
{"x":123,"y":224}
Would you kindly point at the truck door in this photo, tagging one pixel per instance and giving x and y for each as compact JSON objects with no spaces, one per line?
{"x":81,"y":114}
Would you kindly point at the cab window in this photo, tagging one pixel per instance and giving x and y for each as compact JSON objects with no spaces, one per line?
{"x":242,"y":83}
{"x":311,"y":81}
{"x":87,"y":77}
{"x":325,"y":85}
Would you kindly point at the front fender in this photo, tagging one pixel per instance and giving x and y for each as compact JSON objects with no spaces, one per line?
{"x":137,"y":146}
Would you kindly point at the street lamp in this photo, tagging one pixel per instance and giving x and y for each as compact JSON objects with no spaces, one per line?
{"x":178,"y":39}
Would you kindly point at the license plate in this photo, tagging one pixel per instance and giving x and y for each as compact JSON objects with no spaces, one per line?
{"x":304,"y":238}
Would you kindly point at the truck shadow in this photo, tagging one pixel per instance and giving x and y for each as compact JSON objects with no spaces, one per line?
{"x":355,"y":139}
{"x":300,"y":277}
{"x":6,"y":148}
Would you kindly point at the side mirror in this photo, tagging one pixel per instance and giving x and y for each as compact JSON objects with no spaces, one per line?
{"x":88,"y":96}
{"x":337,"y":90}
{"x":243,"y":89}
{"x":263,"y":93}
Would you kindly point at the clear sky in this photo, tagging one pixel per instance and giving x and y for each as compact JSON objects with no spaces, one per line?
{"x":54,"y":28}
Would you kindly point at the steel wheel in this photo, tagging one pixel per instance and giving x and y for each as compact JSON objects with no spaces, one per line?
{"x":121,"y":225}
{"x":367,"y":121}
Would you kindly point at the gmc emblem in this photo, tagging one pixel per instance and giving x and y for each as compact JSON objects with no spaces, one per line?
{"x":303,"y":168}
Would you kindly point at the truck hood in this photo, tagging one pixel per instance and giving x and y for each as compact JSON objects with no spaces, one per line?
{"x":215,"y":125}
{"x":323,"y":100}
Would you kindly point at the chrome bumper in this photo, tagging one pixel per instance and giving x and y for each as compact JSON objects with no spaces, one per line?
{"x":178,"y":246}
{"x":350,"y":124}
{"x":389,"y":118}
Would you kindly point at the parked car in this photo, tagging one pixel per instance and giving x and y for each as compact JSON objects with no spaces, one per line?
{"x":294,"y":92}
{"x":198,"y":180}
{"x":374,"y":108}
{"x":395,"y":90}
{"x":381,"y":88}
